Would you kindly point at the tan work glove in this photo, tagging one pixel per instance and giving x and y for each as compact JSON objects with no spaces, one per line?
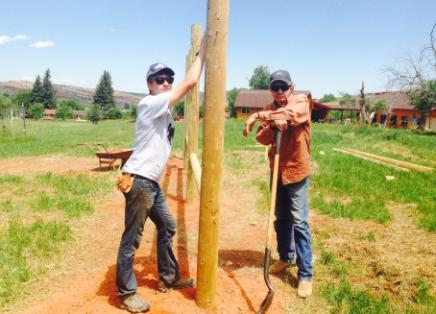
{"x":125,"y":182}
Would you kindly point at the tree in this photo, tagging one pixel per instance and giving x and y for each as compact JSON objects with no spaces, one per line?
{"x":416,"y":78}
{"x":347,"y":100}
{"x":231,"y":98}
{"x":37,"y":93}
{"x":114,"y":114}
{"x":133,"y":112}
{"x":179,"y":108}
{"x":260,"y":78}
{"x":35,"y":111}
{"x":22,"y":98}
{"x":94,"y":114}
{"x":328,"y":98}
{"x":48,"y":93}
{"x":5,"y":107}
{"x":72,"y":104}
{"x":104,"y":93}
{"x":424,"y":100}
{"x":64,"y":112}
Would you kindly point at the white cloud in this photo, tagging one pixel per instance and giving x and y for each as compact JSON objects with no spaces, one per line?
{"x":6,"y":39}
{"x":42,"y":44}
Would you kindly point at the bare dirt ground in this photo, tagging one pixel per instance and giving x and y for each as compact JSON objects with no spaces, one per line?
{"x":84,"y":281}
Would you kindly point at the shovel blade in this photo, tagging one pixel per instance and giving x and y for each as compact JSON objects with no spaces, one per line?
{"x":266,"y":302}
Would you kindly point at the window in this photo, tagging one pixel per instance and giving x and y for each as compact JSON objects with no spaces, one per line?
{"x":383,"y":119}
{"x":245,"y":110}
{"x":393,"y":120}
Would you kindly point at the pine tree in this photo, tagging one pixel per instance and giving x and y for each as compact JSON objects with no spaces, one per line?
{"x":104,"y":93}
{"x":37,"y":94}
{"x":49,"y":100}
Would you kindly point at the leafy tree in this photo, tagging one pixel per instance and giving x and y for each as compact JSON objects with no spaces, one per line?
{"x":72,"y":104}
{"x":231,"y":98}
{"x":49,"y":98}
{"x":64,"y":112}
{"x":114,"y":113}
{"x":37,"y":94}
{"x":35,"y":111}
{"x":104,"y":93}
{"x":424,"y":100}
{"x":179,"y":108}
{"x":133,"y":112}
{"x":94,"y":114}
{"x":260,"y":78}
{"x":328,"y":98}
{"x":22,"y":98}
{"x":5,"y":107}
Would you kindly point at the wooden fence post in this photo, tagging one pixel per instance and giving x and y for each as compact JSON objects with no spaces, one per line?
{"x":213,"y":142}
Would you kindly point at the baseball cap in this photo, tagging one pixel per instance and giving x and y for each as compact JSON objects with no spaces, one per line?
{"x":159,"y":67}
{"x":280,"y":75}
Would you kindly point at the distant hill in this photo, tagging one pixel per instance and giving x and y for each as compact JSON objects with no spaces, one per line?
{"x":81,"y":94}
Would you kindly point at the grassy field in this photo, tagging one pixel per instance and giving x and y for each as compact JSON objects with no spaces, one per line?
{"x":36,"y":211}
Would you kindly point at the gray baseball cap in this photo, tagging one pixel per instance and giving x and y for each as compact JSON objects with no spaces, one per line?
{"x":159,"y":67}
{"x":280,"y":75}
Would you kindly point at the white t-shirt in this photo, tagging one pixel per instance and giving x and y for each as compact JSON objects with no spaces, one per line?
{"x":153,"y":137}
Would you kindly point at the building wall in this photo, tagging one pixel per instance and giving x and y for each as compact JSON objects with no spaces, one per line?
{"x":404,"y":118}
{"x":241,"y":112}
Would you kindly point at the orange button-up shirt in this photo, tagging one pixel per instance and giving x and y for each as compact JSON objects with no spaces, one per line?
{"x":294,"y":163}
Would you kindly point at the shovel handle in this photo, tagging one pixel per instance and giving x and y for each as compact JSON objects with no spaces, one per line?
{"x":275,"y":175}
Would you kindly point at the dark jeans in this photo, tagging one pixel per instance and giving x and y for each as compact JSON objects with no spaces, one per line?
{"x":146,"y":199}
{"x":291,"y":225}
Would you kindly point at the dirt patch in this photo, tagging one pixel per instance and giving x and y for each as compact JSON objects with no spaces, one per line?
{"x":84,"y":283}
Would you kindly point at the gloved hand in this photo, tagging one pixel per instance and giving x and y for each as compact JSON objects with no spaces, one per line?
{"x":125,"y":182}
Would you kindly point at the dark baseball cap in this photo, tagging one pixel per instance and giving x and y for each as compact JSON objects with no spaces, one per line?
{"x":280,"y":75}
{"x":159,"y":67}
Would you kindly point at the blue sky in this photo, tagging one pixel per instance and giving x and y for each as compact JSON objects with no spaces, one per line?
{"x":328,"y":46}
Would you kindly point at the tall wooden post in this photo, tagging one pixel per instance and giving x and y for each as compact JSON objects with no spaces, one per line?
{"x":213,"y":140}
{"x":191,"y":115}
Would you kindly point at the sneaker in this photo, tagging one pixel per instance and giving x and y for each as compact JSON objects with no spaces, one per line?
{"x":279,"y":266}
{"x":304,"y":289}
{"x":162,"y":286}
{"x":134,"y":303}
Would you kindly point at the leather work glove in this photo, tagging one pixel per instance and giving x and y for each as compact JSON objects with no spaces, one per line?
{"x":125,"y":182}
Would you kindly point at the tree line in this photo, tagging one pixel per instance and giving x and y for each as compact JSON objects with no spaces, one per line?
{"x":43,"y":96}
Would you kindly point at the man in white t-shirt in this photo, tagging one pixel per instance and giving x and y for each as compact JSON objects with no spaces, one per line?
{"x":140,"y":183}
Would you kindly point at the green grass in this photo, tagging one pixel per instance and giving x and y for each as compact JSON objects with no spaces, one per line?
{"x":25,"y":252}
{"x":345,"y":299}
{"x":29,"y":241}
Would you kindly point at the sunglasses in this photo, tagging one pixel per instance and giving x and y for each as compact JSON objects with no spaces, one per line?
{"x":276,"y":87}
{"x":160,"y":80}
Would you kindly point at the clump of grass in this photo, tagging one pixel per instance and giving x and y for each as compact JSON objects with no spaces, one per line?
{"x":422,"y":296}
{"x":327,"y":258}
{"x":7,"y":206}
{"x":370,"y":236}
{"x":263,"y":201}
{"x":358,"y":208}
{"x":10,"y":179}
{"x":21,"y":246}
{"x":344,"y":298}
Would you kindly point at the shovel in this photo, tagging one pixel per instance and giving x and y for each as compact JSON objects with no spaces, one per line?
{"x":267,"y":258}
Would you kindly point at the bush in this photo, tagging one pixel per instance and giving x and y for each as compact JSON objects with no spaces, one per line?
{"x":64,"y":112}
{"x":94,"y":114}
{"x":114,"y":113}
{"x":72,"y":104}
{"x":35,"y":111}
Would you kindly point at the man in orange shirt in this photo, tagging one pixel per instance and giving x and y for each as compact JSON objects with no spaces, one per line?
{"x":290,"y":114}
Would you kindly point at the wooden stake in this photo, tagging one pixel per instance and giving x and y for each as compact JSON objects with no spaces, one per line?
{"x":191,"y":119}
{"x":213,"y":140}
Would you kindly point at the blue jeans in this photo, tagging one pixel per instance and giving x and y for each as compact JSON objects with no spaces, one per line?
{"x":292,"y":228}
{"x":144,"y":200}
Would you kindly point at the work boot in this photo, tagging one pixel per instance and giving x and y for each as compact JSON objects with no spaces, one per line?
{"x":162,"y":286}
{"x":280,"y":265}
{"x":134,"y":303}
{"x":304,"y":289}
